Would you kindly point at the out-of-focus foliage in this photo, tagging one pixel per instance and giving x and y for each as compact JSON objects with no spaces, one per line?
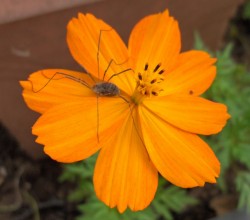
{"x":232,"y":145}
{"x":168,"y":198}
{"x":246,"y":10}
{"x":239,"y":33}
{"x":243,"y":187}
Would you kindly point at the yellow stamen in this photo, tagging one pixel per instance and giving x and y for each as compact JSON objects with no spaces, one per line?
{"x":148,"y":83}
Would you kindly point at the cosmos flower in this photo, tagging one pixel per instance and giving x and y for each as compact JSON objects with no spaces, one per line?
{"x":150,"y":126}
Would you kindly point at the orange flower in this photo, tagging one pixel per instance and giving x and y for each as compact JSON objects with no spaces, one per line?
{"x":150,"y":127}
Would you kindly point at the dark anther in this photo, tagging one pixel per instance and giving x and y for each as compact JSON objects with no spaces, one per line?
{"x":146,"y":67}
{"x":191,"y":92}
{"x":154,"y":93}
{"x":146,"y":93}
{"x":157,"y":67}
{"x":162,"y":71}
{"x":139,"y":76}
{"x":153,"y":81}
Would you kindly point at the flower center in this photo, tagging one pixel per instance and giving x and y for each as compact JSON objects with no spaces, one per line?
{"x":148,"y":83}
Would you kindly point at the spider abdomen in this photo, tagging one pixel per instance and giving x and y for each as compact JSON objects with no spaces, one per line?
{"x":106,"y":89}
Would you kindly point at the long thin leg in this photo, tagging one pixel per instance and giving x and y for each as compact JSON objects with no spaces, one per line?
{"x":116,"y":74}
{"x":103,"y":78}
{"x":75,"y":79}
{"x":112,"y":61}
{"x":91,"y":77}
{"x":64,"y":76}
{"x":98,"y":52}
{"x":97,"y":118}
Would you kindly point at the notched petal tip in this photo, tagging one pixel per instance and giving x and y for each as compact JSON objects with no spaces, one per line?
{"x":222,"y":117}
{"x":228,"y":116}
{"x":80,"y":14}
{"x":23,"y":84}
{"x":194,"y":71}
{"x":190,"y":113}
{"x":184,"y":159}
{"x":155,"y":39}
{"x":49,"y":87}
{"x":98,"y":48}
{"x":166,"y":12}
{"x":196,"y":177}
{"x":124,"y":176}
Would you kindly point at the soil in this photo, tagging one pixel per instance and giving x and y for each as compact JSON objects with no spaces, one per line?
{"x":27,"y":185}
{"x":29,"y":188}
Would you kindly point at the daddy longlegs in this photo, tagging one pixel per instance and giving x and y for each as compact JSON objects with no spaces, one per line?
{"x":101,"y":89}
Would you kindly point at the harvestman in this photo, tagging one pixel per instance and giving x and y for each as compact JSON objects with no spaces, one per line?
{"x":101,"y":89}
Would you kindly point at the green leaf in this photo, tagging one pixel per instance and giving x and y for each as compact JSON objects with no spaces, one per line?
{"x":243,"y":187}
{"x":172,"y":198}
{"x":246,"y":10}
{"x":96,"y":210}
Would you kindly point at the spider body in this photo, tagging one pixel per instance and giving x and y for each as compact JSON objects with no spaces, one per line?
{"x":106,"y":89}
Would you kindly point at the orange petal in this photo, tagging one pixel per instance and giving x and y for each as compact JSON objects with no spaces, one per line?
{"x":182,"y":158}
{"x":193,"y":74}
{"x":124,"y":175}
{"x":46,"y":88}
{"x":155,"y":39}
{"x":190,"y":113}
{"x":69,"y":130}
{"x":83,"y":35}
